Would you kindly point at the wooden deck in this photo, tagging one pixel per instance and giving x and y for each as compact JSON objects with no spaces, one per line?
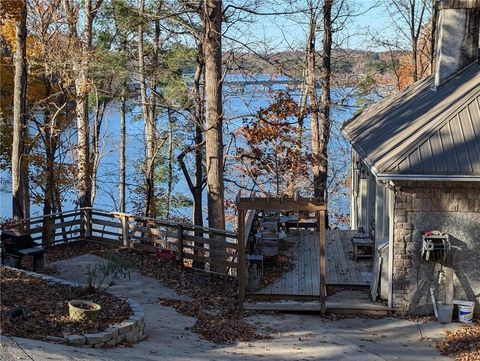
{"x":303,"y":279}
{"x":341,"y":268}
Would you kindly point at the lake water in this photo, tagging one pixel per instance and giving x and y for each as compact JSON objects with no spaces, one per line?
{"x":242,"y":97}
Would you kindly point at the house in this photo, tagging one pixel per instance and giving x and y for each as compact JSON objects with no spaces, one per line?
{"x":416,"y":167}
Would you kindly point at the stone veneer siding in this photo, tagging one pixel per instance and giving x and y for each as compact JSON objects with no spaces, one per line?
{"x":451,"y":207}
{"x":130,"y":330}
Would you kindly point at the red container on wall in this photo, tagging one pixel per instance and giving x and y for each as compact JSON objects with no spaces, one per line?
{"x":166,"y":254}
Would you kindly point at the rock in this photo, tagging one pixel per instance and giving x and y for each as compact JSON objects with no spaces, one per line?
{"x":76,"y":340}
{"x":56,"y":339}
{"x":96,"y":338}
{"x":113,"y":331}
{"x":125,"y":326}
{"x":132,"y":336}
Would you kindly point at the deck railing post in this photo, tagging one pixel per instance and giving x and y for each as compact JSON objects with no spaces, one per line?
{"x":51,"y":230}
{"x":82,"y":224}
{"x":87,"y":223}
{"x":241,"y":256}
{"x":125,"y":237}
{"x":47,"y":231}
{"x":180,"y":243}
{"x":323,"y":268}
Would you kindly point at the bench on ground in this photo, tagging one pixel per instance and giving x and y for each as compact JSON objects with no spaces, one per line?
{"x":362,"y":246}
{"x":16,"y":245}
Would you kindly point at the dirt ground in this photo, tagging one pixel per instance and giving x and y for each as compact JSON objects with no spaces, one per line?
{"x":291,"y":336}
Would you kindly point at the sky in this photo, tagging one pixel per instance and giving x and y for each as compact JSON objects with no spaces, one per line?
{"x":284,"y":32}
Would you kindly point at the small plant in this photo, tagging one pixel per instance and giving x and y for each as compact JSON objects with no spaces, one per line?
{"x":104,"y":275}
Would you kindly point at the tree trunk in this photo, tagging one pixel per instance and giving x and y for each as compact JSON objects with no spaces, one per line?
{"x":148,"y":115}
{"x":50,"y":184}
{"x":303,"y":105}
{"x":19,"y":161}
{"x":95,"y":154}
{"x":212,"y":19}
{"x":49,"y":200}
{"x":170,"y":163}
{"x":433,"y":28}
{"x":199,"y":115}
{"x":123,"y":129}
{"x":83,"y":122}
{"x":123,"y":138}
{"x":325,"y":98}
{"x":198,"y":190}
{"x":196,"y":187}
{"x":414,"y":61}
{"x":312,"y":96}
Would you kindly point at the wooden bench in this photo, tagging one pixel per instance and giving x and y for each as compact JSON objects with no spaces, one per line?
{"x":362,"y":246}
{"x":16,"y":245}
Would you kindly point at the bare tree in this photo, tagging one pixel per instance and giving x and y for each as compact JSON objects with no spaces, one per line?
{"x":123,"y":146}
{"x":19,"y":161}
{"x":168,"y":196}
{"x":83,"y":123}
{"x":212,"y":20}
{"x":312,"y":95}
{"x":81,"y":69}
{"x":433,"y":29}
{"x":148,"y":114}
{"x":325,"y":77}
{"x":409,"y":17}
{"x":186,"y":15}
{"x":320,"y":121}
{"x":197,"y":190}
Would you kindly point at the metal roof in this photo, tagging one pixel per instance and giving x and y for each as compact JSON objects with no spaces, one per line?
{"x":422,"y":132}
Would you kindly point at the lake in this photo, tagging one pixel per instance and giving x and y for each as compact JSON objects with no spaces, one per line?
{"x":242,"y":96}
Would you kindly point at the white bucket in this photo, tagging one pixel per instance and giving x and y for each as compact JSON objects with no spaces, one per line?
{"x":465,"y":311}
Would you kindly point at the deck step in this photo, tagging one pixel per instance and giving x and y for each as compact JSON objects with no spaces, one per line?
{"x":287,"y":306}
{"x":314,"y":306}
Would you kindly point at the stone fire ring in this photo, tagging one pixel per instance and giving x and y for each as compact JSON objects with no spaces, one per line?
{"x":130,"y":330}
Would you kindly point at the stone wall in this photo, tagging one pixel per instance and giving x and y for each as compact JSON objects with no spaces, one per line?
{"x":451,"y":207}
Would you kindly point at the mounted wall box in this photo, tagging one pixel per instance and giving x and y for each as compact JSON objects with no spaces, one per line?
{"x":435,"y":246}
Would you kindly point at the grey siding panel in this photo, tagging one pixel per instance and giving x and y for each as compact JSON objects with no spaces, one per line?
{"x":453,"y":158}
{"x":448,"y":151}
{"x":415,"y":161}
{"x":453,"y":149}
{"x":437,"y":149}
{"x":462,"y":147}
{"x":427,"y":156}
{"x":473,"y":133}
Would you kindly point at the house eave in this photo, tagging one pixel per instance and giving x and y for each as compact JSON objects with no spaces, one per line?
{"x":427,"y":177}
{"x":380,"y":176}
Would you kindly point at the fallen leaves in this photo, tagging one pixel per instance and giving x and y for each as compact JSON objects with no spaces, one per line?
{"x":45,"y":307}
{"x":215,"y":325}
{"x":274,"y":270}
{"x":462,"y":344}
{"x":77,"y":248}
{"x":221,"y":329}
{"x":214,"y":297}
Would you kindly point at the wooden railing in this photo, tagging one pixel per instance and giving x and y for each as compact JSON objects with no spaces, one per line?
{"x":199,"y":247}
{"x":53,"y":228}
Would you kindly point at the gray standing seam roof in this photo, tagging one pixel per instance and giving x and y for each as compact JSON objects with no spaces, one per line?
{"x":421,"y":132}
